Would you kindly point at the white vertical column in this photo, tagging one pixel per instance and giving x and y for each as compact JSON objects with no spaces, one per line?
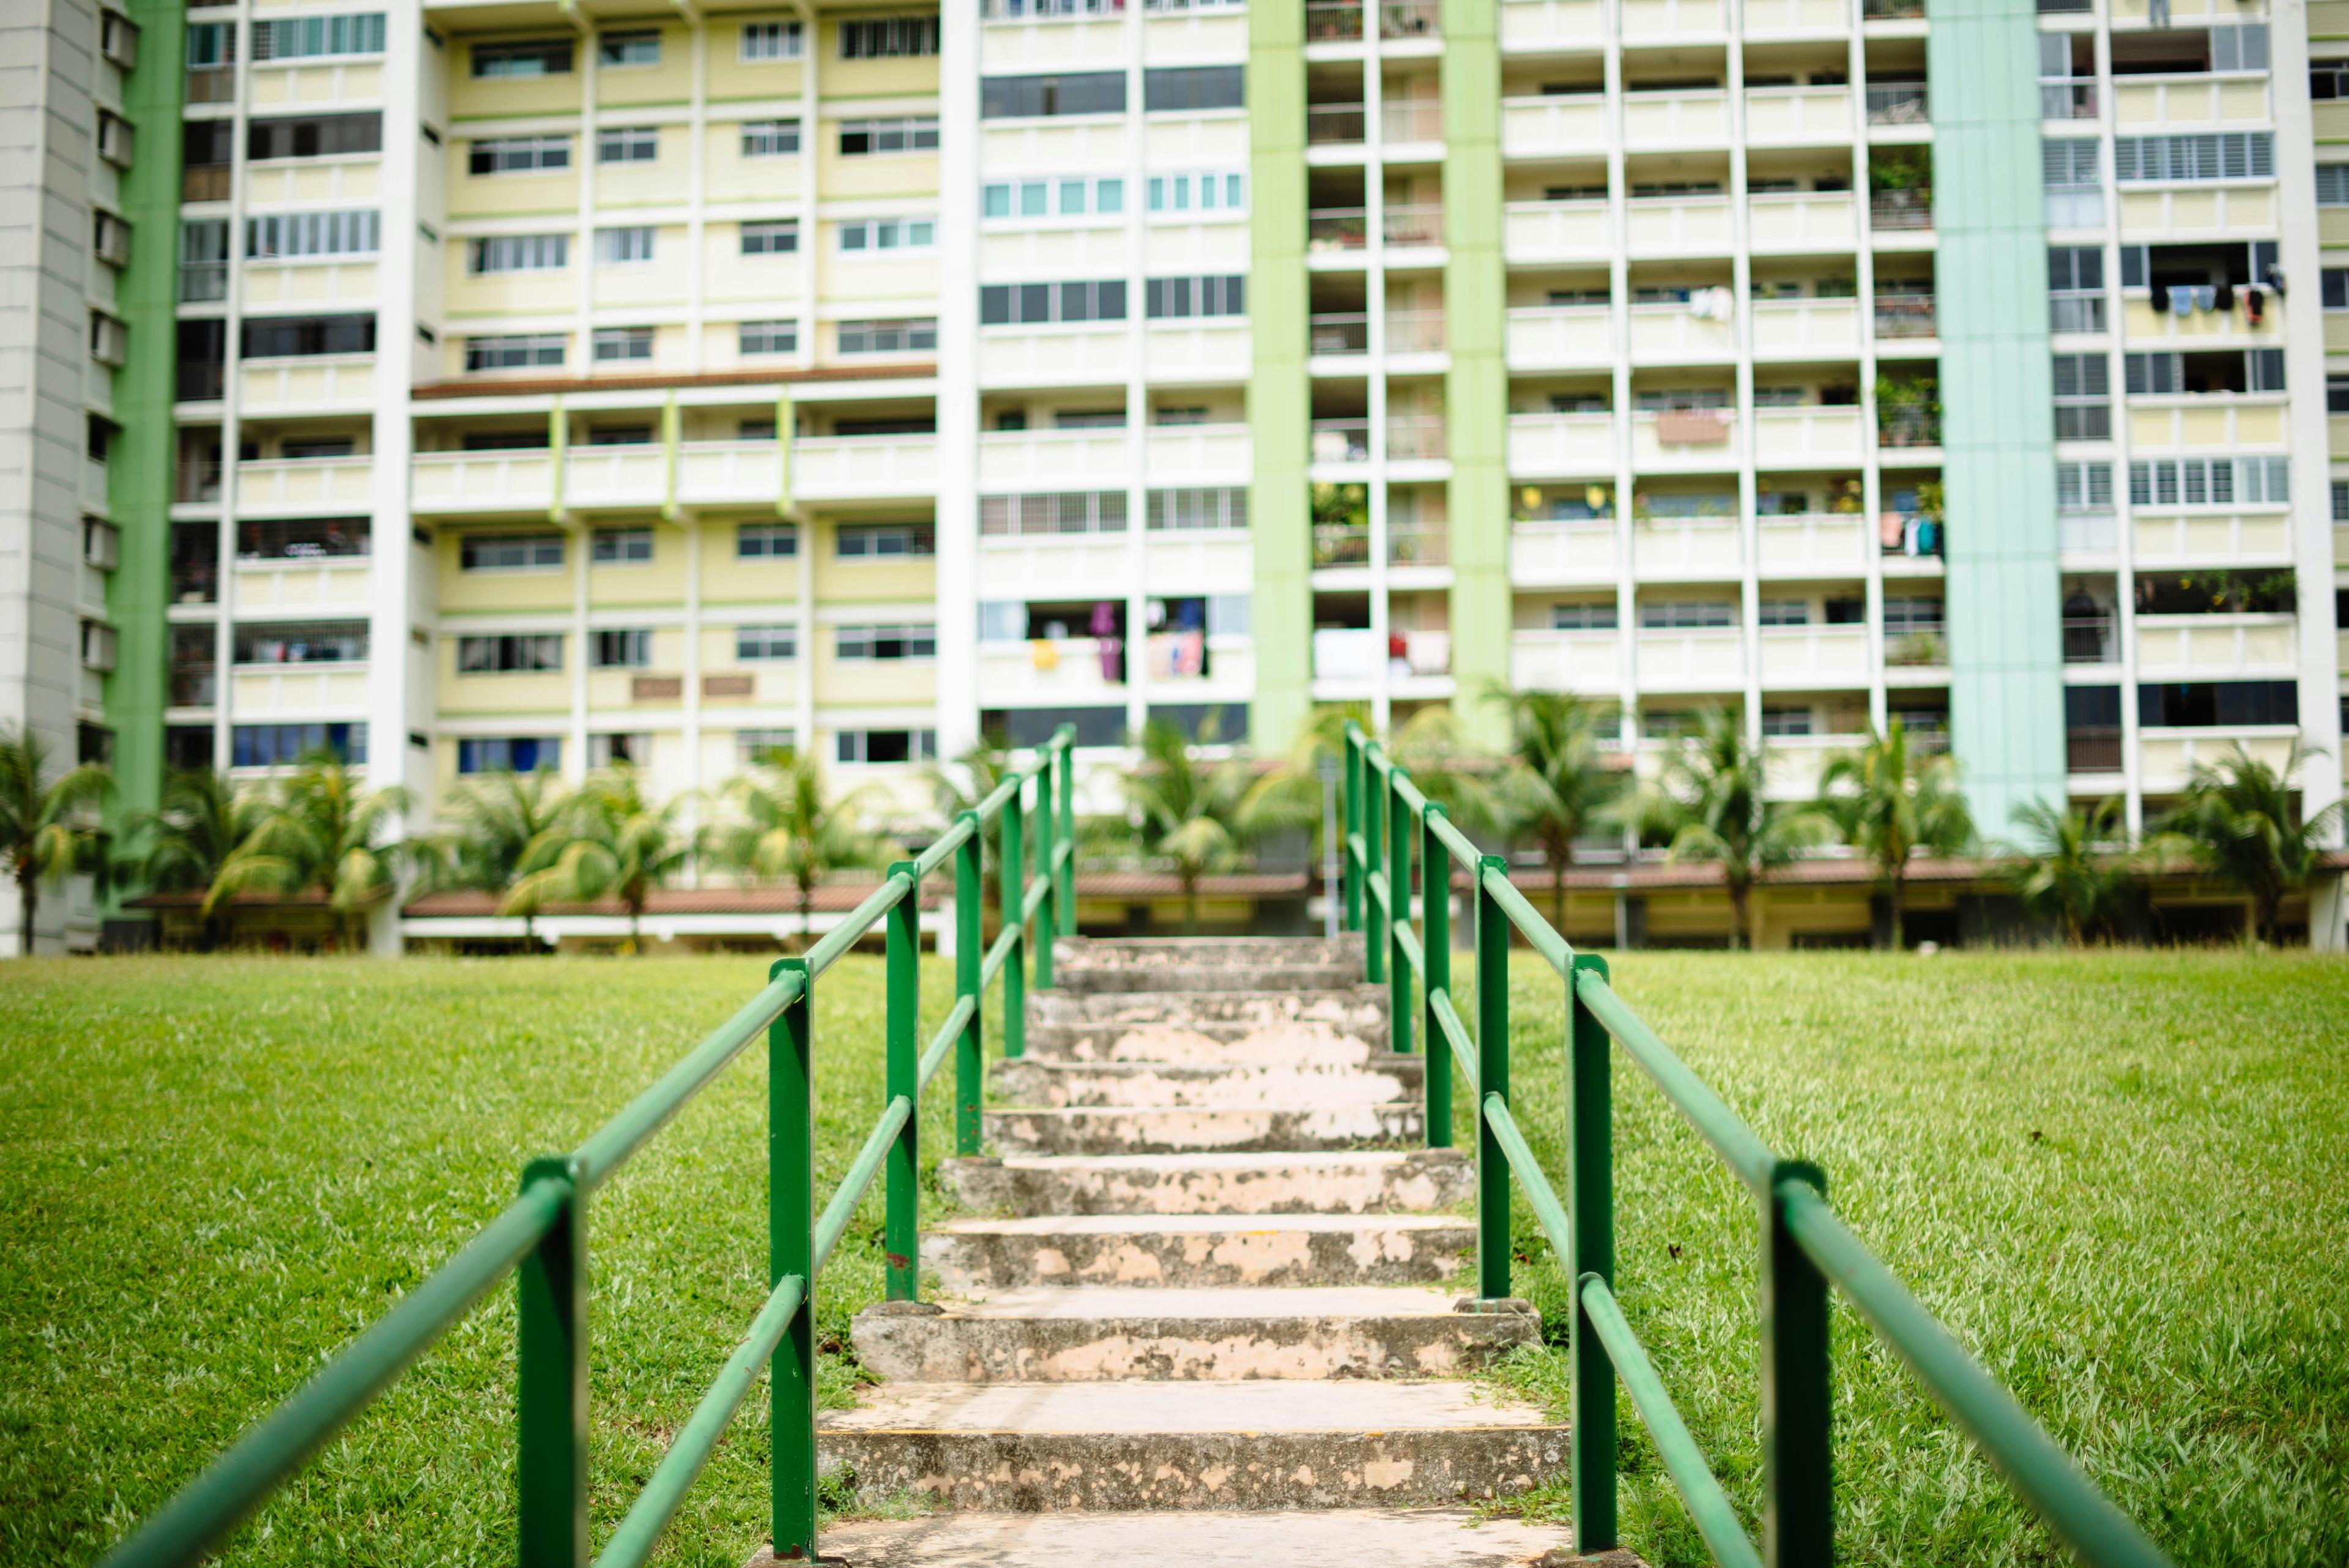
{"x":697,"y":227}
{"x":1619,"y":311}
{"x":1741,"y":288}
{"x":1374,"y":315}
{"x":1872,"y":470}
{"x":1137,"y":373}
{"x":2124,"y":522}
{"x":959,"y":62}
{"x":588,"y":163}
{"x":811,"y":139}
{"x":692,"y":662}
{"x":399,"y":680}
{"x":232,"y":386}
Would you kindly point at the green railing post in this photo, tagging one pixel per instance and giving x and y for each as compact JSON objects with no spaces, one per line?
{"x":969,"y":940}
{"x":901,"y":1232}
{"x":1380,"y":910}
{"x":1797,"y":1469}
{"x":791,"y":1250}
{"x":1436,"y":949}
{"x":1399,"y":836}
{"x":1352,"y":786}
{"x":1011,"y":870}
{"x":1064,"y":893}
{"x":1492,"y":1081}
{"x":1590,"y":1200}
{"x":1047,"y":917}
{"x":550,"y":1382}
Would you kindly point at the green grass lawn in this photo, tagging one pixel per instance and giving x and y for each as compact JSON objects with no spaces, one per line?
{"x":2123,"y":1181}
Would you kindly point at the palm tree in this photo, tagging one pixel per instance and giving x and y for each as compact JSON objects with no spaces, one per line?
{"x":1188,"y":809}
{"x":200,"y":820}
{"x":1558,"y":785}
{"x":611,"y":841}
{"x":499,"y":817}
{"x":2067,"y":874}
{"x":2237,"y":818}
{"x":47,"y":822}
{"x":787,"y":826}
{"x":1711,"y":803}
{"x":320,"y":830}
{"x":982,"y":768}
{"x":1289,"y":797}
{"x":1890,"y":804}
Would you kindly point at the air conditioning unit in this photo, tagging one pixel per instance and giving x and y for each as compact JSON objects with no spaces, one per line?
{"x":109,"y":339}
{"x":111,"y":238}
{"x":101,"y":544}
{"x":118,"y":38}
{"x":97,"y":646}
{"x":114,"y":139}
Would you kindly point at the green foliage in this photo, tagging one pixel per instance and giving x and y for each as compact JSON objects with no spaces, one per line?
{"x":2070,"y":874}
{"x":181,"y":846}
{"x":2239,"y":820}
{"x":1556,"y":785}
{"x":1188,"y":809}
{"x":48,"y":821}
{"x":501,"y":818}
{"x":1711,"y":803}
{"x":785,"y":826}
{"x":1890,"y":804}
{"x":611,"y":842}
{"x":318,"y":831}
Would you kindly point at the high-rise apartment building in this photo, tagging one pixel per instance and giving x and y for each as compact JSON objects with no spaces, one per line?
{"x":524,"y":383}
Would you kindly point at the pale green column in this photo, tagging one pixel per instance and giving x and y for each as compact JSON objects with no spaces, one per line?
{"x":2006,"y":664}
{"x":1476,"y":389}
{"x":1281,"y":398}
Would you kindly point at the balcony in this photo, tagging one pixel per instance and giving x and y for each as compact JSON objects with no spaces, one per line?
{"x":1052,"y":460}
{"x":1341,"y":544}
{"x":205,"y":183}
{"x":2068,"y":100}
{"x":1561,"y":446}
{"x":1335,"y":125}
{"x":1412,"y":227}
{"x":312,"y":486}
{"x":1711,"y":660}
{"x":1418,"y":544}
{"x":1411,"y":120}
{"x":459,"y":482}
{"x":1897,"y":103}
{"x":1340,"y":441}
{"x":1667,"y":333}
{"x":1333,"y":21}
{"x":1066,"y":668}
{"x":1178,"y":455}
{"x":1655,"y":121}
{"x":1559,"y":337}
{"x":1685,"y":441}
{"x":1415,"y":437}
{"x":194,"y":685}
{"x":2093,"y":749}
{"x":1806,"y":328}
{"x":1410,"y":19}
{"x":1672,"y":21}
{"x":1588,"y":662}
{"x":1763,"y":17}
{"x":1361,"y":655}
{"x":1813,"y":544}
{"x":1797,"y":115}
{"x":201,"y":283}
{"x":1900,"y":209}
{"x":1679,"y":225}
{"x":1332,"y":229}
{"x":1548,"y":24}
{"x":196,"y":481}
{"x":1414,"y":332}
{"x":1809,"y":435}
{"x":1814,"y":655}
{"x":1054,"y":356}
{"x":310,"y":384}
{"x":1550,"y":125}
{"x":1804,"y":221}
{"x":1563,"y":553}
{"x":2089,"y":639}
{"x":1687,"y":549}
{"x":823,"y":468}
{"x":2214,"y":647}
{"x":1915,"y":429}
{"x":1905,"y":315}
{"x":1535,"y":232}
{"x":2191,"y":102}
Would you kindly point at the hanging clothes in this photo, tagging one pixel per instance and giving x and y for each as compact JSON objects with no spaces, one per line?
{"x":2160,"y":301}
{"x":2181,"y":300}
{"x":1044,"y":654}
{"x":1890,"y":528}
{"x":1110,"y":646}
{"x":2224,"y":298}
{"x":2206,"y":297}
{"x":2255,"y":305}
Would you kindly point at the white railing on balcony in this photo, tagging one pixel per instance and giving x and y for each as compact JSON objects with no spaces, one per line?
{"x":2210,"y":647}
{"x":1334,"y":124}
{"x":1804,"y":221}
{"x":1660,"y":20}
{"x":1579,"y":550}
{"x":311,"y":484}
{"x":1561,"y":446}
{"x":1052,"y":460}
{"x":1178,"y":455}
{"x":1411,"y":120}
{"x":445,"y":481}
{"x":1413,"y":437}
{"x":1822,"y":326}
{"x":1589,"y":662}
{"x":1810,"y":435}
{"x":712,"y":472}
{"x":1412,"y":226}
{"x":310,"y":385}
{"x":1681,"y":118}
{"x":1337,"y":229}
{"x":1796,"y":116}
{"x":1551,"y":124}
{"x":616,"y":476}
{"x":1687,"y":549}
{"x":1905,"y":315}
{"x":1707,"y":660}
{"x":1814,"y":654}
{"x":1557,"y":231}
{"x":1813,"y":541}
{"x":1679,"y":225}
{"x":1667,"y":331}
{"x":1546,"y":24}
{"x":1342,"y":441}
{"x":1544,"y":336}
{"x":1415,"y":331}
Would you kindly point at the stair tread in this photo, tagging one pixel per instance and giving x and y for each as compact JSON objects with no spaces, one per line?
{"x":1347,"y":1405}
{"x":1192,"y":1224}
{"x":1336,"y":1538}
{"x":1130,"y":1303}
{"x":1222,"y":1161}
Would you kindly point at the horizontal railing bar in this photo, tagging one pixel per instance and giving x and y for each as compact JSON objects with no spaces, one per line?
{"x":857,"y":921}
{"x":640,"y":1532}
{"x":1033,"y":899}
{"x":1408,"y":940}
{"x":859,"y":1178}
{"x":1546,"y":1206}
{"x":942,"y":847}
{"x":1408,"y":792}
{"x":1527,"y":919}
{"x":1719,"y":1125}
{"x":1701,"y":1494}
{"x":194,"y":1520}
{"x":2088,"y":1522}
{"x":944,"y":1041}
{"x":1462,"y":848}
{"x":1464,"y":1050}
{"x":1358,"y":847}
{"x":1065,"y":849}
{"x":992,"y":964}
{"x":646,"y":1115}
{"x":1377,"y":760}
{"x":1377,"y":883}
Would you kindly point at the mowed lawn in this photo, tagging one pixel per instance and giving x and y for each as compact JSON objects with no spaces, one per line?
{"x":2122,"y":1180}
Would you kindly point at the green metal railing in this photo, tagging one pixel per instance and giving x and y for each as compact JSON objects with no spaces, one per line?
{"x":1805,"y":1248}
{"x":541,"y":1237}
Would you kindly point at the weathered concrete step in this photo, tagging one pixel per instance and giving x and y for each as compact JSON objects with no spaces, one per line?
{"x":1038,"y":1447}
{"x":1042,"y":1334}
{"x":1337,"y":1026}
{"x":1100,"y":1129}
{"x":1089,"y":964}
{"x":1353,"y":1181}
{"x":1193,"y":1252}
{"x":1350,"y":1538}
{"x":1351,"y":1005}
{"x":1055,"y":1085}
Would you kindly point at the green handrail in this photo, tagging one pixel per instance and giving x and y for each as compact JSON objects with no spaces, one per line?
{"x":1804,"y":1249}
{"x":541,"y":1237}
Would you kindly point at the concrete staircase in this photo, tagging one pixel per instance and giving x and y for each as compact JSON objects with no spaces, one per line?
{"x":1214,"y":1308}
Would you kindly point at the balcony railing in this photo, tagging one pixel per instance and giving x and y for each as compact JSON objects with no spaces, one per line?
{"x":1341,"y":544}
{"x":197,"y":481}
{"x":2088,"y":640}
{"x":205,"y":183}
{"x":202,"y":281}
{"x":201,"y":381}
{"x":1891,"y":10}
{"x":1897,"y":103}
{"x":1904,"y":316}
{"x":1342,"y":441}
{"x":1418,"y":544}
{"x":1338,"y":333}
{"x":1917,"y":649}
{"x":2058,"y":7}
{"x":1415,"y":436}
{"x":2075,"y":312}
{"x":212,"y":84}
{"x":194,"y":686}
{"x":1413,"y":225}
{"x":2067,"y":100}
{"x":1410,"y":19}
{"x":1337,"y":229}
{"x":1411,"y":120}
{"x":1334,"y":124}
{"x":1415,"y":331}
{"x":1908,"y":428}
{"x":1332,"y":21}
{"x":2095,"y":749}
{"x":1902,"y":209}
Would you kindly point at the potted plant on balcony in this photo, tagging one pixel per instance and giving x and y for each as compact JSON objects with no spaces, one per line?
{"x":1909,"y":411}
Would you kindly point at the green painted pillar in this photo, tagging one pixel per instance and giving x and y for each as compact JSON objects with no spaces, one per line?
{"x":2006,"y":666}
{"x":1281,"y":396}
{"x":1476,"y":388}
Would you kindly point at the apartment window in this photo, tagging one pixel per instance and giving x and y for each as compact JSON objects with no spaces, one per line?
{"x":536,"y":57}
{"x":1687,"y":614}
{"x":314,"y":135}
{"x":518,"y":155}
{"x":2074,"y":185}
{"x":1041,"y":97}
{"x":1193,"y":88}
{"x":630,"y":650}
{"x":318,"y":37}
{"x":1065,"y":512}
{"x":633,"y":748}
{"x":620,"y":435}
{"x":518,"y":252}
{"x":1786,"y":724}
{"x":767,"y":337}
{"x":754,"y":746}
{"x":281,"y":745}
{"x":886,"y":37}
{"x":2076,"y":288}
{"x":510,"y":553}
{"x":622,"y":547}
{"x":1186,"y":510}
{"x":911,"y":335}
{"x":2240,"y":48}
{"x":766,"y":542}
{"x":300,"y":538}
{"x":2084,"y":486}
{"x":1910,"y":615}
{"x":1784,"y":612}
{"x":2211,"y":481}
{"x":883,"y":540}
{"x":203,"y":259}
{"x":2340,"y":504}
{"x":779,"y":238}
{"x":1069,"y":197}
{"x":761,"y":644}
{"x":509,"y":754}
{"x":304,"y":336}
{"x":1172,"y":298}
{"x":773,"y":41}
{"x":2333,"y":185}
{"x":1033,"y":304}
{"x":2328,"y":79}
{"x":211,"y":46}
{"x":888,"y":234}
{"x":287,"y":236}
{"x":301,"y":642}
{"x":628,"y":144}
{"x":867,"y":137}
{"x":1212,"y":191}
{"x":886,"y":747}
{"x":623,"y":247}
{"x":769,"y":137}
{"x":2083,"y":409}
{"x":2337,"y":400}
{"x":526,"y":653}
{"x":2221,"y":155}
{"x":619,"y":345}
{"x":912,"y":640}
{"x":1599,"y":616}
{"x":637,"y":47}
{"x":515,"y":352}
{"x":2332,"y":286}
{"x":2227,"y":703}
